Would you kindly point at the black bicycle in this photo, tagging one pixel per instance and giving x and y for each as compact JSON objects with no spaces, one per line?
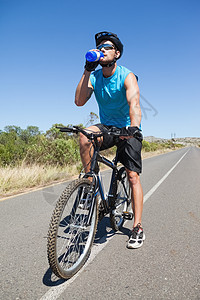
{"x":74,"y":221}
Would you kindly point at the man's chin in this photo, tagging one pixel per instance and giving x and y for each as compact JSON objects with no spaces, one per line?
{"x":104,"y":64}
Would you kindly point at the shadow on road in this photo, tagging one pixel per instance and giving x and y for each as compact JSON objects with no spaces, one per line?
{"x":104,"y":231}
{"x":50,"y":279}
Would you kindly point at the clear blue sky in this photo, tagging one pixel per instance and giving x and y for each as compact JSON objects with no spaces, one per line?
{"x":42,"y":49}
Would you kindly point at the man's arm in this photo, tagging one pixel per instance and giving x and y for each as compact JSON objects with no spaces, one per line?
{"x":84,"y":89}
{"x":133,"y":99}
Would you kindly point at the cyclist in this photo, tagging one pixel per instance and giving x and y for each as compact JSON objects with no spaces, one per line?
{"x":117,"y":94}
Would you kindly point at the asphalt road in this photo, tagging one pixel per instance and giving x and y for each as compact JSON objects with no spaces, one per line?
{"x":166,"y":267}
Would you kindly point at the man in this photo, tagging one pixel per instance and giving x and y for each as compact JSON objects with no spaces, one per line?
{"x":117,"y":94}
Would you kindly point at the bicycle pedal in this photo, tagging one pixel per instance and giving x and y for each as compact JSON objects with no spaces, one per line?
{"x":127,"y":215}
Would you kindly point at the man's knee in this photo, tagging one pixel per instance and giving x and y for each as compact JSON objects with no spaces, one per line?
{"x":133,"y":177}
{"x":85,"y":145}
{"x":83,"y":140}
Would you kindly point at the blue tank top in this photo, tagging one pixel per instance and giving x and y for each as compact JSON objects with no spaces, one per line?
{"x":110,"y":94}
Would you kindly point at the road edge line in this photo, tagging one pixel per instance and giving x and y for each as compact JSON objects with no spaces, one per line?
{"x":155,"y":187}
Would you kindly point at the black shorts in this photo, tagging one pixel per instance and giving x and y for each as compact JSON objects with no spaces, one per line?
{"x":128,"y":150}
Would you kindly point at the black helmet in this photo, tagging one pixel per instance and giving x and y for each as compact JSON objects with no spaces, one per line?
{"x":105,"y":35}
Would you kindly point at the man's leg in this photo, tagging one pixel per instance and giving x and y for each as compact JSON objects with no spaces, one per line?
{"x":136,"y":196}
{"x":137,"y":235}
{"x":86,"y":148}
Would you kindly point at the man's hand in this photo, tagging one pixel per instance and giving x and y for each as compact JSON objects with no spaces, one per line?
{"x":91,"y":65}
{"x":131,"y":131}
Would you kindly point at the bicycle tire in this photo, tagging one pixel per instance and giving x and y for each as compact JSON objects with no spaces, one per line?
{"x":122,"y":201}
{"x":69,"y":237}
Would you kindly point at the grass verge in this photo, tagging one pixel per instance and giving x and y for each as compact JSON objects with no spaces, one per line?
{"x":15,"y":180}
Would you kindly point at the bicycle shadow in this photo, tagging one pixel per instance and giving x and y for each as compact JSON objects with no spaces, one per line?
{"x":105,"y":232}
{"x":50,"y":279}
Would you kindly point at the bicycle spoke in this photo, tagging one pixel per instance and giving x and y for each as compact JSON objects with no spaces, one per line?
{"x":70,"y":236}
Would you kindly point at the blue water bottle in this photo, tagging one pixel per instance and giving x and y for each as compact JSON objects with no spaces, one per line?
{"x":94,"y":55}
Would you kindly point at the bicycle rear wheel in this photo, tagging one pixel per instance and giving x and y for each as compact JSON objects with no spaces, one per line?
{"x":72,"y":229}
{"x":122,"y":201}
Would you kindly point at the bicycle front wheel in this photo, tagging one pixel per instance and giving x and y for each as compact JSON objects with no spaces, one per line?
{"x":72,"y":229}
{"x":122,"y":201}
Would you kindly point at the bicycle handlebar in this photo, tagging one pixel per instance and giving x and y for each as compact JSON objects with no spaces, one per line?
{"x":68,"y":129}
{"x":114,"y":131}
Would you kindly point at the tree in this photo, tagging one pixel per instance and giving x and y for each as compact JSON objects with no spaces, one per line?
{"x":92,"y":119}
{"x":13,"y":128}
{"x":30,"y":134}
{"x":54,"y":133}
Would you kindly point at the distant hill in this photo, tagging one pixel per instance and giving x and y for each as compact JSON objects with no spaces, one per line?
{"x":187,"y":141}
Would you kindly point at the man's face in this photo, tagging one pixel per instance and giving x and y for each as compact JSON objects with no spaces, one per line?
{"x":109,"y":53}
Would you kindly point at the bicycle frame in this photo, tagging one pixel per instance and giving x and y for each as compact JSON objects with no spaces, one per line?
{"x":108,"y":202}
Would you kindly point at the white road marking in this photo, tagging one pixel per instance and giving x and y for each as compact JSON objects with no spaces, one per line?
{"x":154,"y":188}
{"x":54,"y":292}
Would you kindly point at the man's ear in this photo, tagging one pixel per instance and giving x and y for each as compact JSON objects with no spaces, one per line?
{"x":117,"y":54}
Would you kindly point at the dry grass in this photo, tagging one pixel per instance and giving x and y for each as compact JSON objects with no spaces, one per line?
{"x":19,"y":179}
{"x":22,"y":178}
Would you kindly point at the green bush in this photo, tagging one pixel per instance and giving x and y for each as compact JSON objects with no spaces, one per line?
{"x":154,"y":146}
{"x":12,"y":149}
{"x":146,"y":146}
{"x":54,"y":152}
{"x":15,"y":142}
